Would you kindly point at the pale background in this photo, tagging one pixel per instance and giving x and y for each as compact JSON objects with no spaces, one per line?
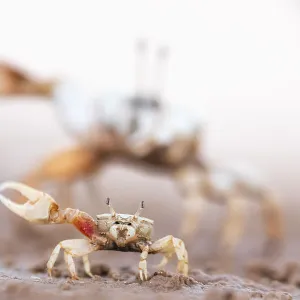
{"x":237,"y":61}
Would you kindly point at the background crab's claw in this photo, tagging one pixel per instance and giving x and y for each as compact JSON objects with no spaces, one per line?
{"x":36,"y":209}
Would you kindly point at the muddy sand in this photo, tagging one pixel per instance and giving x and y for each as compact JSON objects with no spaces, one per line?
{"x":25,"y":248}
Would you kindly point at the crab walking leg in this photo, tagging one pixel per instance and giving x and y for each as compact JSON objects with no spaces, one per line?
{"x":71,"y":266}
{"x":87,"y":266}
{"x":72,"y":248}
{"x":53,"y":259}
{"x":170,"y":245}
{"x":273,"y":223}
{"x":193,"y":207}
{"x":143,"y":263}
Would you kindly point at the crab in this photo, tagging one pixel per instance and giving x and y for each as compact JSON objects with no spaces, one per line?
{"x":110,"y":231}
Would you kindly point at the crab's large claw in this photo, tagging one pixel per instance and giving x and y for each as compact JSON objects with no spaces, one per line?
{"x":36,"y":209}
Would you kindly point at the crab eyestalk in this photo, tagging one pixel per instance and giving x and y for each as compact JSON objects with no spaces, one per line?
{"x":159,"y":76}
{"x":141,"y":60}
{"x":138,"y":212}
{"x":112,"y":211}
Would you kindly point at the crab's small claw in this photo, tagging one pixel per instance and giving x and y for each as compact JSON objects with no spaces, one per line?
{"x":36,"y":209}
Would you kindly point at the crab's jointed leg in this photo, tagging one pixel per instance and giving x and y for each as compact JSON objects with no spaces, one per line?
{"x":143,"y":263}
{"x":72,"y":248}
{"x":87,"y":266}
{"x":168,"y":246}
{"x":234,"y":224}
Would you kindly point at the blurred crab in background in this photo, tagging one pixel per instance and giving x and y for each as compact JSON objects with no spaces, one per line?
{"x":145,"y":130}
{"x":16,"y":82}
{"x":117,"y":232}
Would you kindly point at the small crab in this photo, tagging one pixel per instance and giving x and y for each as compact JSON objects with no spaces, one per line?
{"x":110,"y":231}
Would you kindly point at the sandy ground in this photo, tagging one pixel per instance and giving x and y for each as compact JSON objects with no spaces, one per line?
{"x":25,"y":248}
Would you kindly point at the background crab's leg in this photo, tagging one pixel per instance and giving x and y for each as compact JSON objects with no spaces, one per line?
{"x":170,"y":245}
{"x":72,"y":248}
{"x":233,"y":227}
{"x":273,"y":222}
{"x":234,"y":224}
{"x":63,"y":167}
{"x":42,"y":208}
{"x":180,"y":148}
{"x":189,"y":181}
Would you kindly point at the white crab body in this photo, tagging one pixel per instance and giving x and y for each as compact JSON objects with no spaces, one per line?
{"x":79,"y":112}
{"x":225,"y":177}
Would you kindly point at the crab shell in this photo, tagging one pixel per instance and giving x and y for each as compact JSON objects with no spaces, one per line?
{"x":143,"y":226}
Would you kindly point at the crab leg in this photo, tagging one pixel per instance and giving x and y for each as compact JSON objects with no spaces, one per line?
{"x":273,"y":223}
{"x":168,"y":246}
{"x":42,"y":208}
{"x":87,"y":266}
{"x":234,"y":225}
{"x":72,"y":248}
{"x":143,"y":263}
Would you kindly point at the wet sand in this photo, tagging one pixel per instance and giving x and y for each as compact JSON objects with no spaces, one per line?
{"x":25,"y":248}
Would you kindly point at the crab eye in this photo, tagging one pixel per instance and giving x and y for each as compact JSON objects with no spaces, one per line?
{"x":129,"y":224}
{"x":117,"y":222}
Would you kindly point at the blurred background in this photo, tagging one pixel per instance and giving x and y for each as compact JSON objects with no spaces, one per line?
{"x":235,"y":63}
